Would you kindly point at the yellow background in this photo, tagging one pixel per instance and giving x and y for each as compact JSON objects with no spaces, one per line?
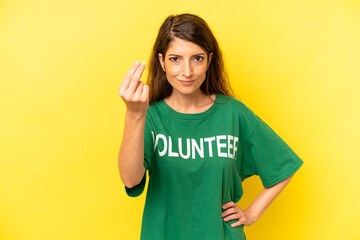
{"x":294,"y":63}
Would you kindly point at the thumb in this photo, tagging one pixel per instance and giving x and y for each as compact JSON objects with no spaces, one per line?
{"x":145,"y":92}
{"x":241,"y":221}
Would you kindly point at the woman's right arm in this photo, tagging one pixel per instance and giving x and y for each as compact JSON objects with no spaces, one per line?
{"x":135,"y":94}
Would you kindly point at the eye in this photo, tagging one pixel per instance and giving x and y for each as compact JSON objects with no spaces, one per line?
{"x":199,"y":58}
{"x":173,"y":59}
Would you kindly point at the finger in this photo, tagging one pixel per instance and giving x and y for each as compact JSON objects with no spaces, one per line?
{"x":231,"y":217}
{"x":126,"y":81}
{"x":238,"y":223}
{"x":136,"y":77}
{"x":228,"y":212}
{"x":145,"y":93}
{"x":228,"y":204}
{"x":138,"y":92}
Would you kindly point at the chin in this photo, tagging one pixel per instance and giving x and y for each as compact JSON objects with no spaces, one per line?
{"x":187,"y":91}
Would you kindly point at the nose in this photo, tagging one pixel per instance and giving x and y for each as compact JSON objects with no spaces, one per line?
{"x":187,"y":69}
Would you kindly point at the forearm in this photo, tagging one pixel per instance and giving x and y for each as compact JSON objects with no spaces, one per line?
{"x":131,"y":155}
{"x":265,"y":198}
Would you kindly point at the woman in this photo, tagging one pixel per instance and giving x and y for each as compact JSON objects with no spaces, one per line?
{"x":197,"y":142}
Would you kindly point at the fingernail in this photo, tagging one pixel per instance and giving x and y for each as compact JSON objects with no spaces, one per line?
{"x":137,"y":62}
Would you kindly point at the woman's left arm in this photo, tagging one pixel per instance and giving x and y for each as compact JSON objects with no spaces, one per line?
{"x":253,"y":212}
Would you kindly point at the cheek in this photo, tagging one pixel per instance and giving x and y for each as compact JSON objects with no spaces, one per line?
{"x":173,"y":71}
{"x":201,"y":71}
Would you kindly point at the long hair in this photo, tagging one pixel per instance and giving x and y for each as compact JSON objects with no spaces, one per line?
{"x":191,"y":28}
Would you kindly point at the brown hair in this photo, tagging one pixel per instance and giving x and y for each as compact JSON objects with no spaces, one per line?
{"x":192,"y":28}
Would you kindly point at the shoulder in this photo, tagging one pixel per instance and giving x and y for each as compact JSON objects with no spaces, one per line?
{"x":247,"y":119}
{"x":153,"y":113}
{"x":236,"y":105}
{"x":154,"y":108}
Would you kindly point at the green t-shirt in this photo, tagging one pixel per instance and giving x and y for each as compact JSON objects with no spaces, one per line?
{"x":197,"y":162}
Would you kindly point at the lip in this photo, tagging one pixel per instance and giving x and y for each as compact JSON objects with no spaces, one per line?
{"x":186,"y":83}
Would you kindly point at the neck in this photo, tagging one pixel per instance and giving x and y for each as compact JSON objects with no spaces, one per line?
{"x":191,"y":103}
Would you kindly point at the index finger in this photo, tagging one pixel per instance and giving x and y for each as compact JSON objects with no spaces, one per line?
{"x":126,"y":81}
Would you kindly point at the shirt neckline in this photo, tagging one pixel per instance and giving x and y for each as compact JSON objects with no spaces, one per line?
{"x":191,"y":116}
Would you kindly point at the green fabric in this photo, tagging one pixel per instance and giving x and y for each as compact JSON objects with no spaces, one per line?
{"x":197,"y":162}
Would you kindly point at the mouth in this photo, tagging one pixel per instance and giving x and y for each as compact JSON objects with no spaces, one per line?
{"x":186,"y":80}
{"x":186,"y":83}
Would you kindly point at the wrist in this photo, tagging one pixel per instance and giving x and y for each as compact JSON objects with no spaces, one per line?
{"x":135,"y":115}
{"x":253,"y":214}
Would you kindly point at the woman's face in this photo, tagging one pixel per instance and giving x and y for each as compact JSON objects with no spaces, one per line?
{"x":185,"y":64}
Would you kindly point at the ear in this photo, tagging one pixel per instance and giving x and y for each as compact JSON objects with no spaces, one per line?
{"x":210,"y":57}
{"x":160,"y":56}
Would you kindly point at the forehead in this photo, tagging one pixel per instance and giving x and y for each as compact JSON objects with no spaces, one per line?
{"x":182,"y":47}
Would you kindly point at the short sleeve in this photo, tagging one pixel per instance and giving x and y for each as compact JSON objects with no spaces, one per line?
{"x":265,"y":154}
{"x":148,"y":159}
{"x":148,"y":144}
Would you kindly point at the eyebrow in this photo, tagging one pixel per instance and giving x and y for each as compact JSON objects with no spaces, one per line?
{"x":172,"y":54}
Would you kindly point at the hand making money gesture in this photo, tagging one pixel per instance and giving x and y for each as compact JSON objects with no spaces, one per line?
{"x":134,"y":92}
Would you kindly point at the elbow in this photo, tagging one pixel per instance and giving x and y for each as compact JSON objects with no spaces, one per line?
{"x":127,"y":182}
{"x":130,"y":183}
{"x":131,"y":177}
